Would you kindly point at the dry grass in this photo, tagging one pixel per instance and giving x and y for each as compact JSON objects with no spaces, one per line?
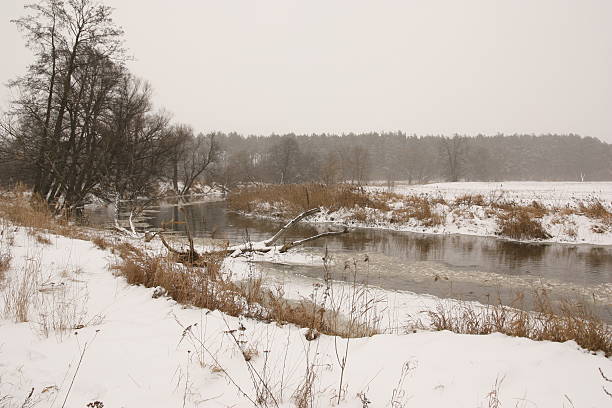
{"x":62,"y":308}
{"x":20,"y":292}
{"x":20,"y":208}
{"x":206,"y":287}
{"x":521,"y":223}
{"x":567,"y":321}
{"x":419,"y":208}
{"x":101,"y":243}
{"x":40,"y":238}
{"x":470,"y":199}
{"x":292,"y":199}
{"x":6,"y":242}
{"x":596,"y":210}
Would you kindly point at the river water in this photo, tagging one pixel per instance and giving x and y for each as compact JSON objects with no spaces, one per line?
{"x":457,"y":266}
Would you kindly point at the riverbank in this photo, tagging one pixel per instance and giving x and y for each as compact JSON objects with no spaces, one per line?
{"x":527,"y":212}
{"x":94,"y":318}
{"x":90,"y":336}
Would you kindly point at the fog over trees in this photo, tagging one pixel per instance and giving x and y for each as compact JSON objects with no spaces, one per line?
{"x":358,"y":158}
{"x":80,"y":125}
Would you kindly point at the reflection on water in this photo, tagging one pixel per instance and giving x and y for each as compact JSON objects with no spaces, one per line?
{"x":398,"y":253}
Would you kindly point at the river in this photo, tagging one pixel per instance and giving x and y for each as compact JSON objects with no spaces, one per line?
{"x":456,"y":266}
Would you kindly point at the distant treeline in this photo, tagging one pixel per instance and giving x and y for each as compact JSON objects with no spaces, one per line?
{"x":397,"y":156}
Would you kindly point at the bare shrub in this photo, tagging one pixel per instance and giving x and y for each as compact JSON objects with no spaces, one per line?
{"x":493,"y":395}
{"x":359,"y":215}
{"x":567,"y":321}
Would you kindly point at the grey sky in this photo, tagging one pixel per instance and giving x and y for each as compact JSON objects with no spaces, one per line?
{"x":424,"y":67}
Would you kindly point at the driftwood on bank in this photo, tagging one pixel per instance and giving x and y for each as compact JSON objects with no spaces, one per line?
{"x":191,"y":256}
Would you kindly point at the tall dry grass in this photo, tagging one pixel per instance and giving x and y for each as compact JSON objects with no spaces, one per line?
{"x":20,"y":291}
{"x":21,"y":208}
{"x":521,"y":223}
{"x":553,"y":322}
{"x":292,"y":199}
{"x":206,"y":287}
{"x":6,"y":242}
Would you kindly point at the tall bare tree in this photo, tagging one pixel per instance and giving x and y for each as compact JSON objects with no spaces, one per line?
{"x":78,"y":55}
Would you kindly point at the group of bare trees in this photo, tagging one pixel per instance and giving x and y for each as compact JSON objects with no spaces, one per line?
{"x":80,"y":124}
{"x":358,"y":158}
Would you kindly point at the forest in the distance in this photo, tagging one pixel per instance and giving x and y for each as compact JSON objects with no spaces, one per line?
{"x":397,"y":156}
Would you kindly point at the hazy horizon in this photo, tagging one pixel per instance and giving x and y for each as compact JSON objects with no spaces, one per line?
{"x":436,"y":67}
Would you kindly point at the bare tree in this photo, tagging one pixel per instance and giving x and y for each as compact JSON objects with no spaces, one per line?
{"x":78,"y":52}
{"x":191,"y":157}
{"x":453,"y":153}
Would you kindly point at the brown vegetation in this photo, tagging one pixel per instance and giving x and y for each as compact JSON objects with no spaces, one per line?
{"x":295,"y":198}
{"x":596,"y":210}
{"x":419,"y":208}
{"x":20,"y":208}
{"x":470,"y":199}
{"x":521,"y":223}
{"x":567,"y":321}
{"x":20,"y":292}
{"x":206,"y":287}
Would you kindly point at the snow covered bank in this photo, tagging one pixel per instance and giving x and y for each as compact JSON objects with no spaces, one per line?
{"x":544,"y":212}
{"x":131,"y":350}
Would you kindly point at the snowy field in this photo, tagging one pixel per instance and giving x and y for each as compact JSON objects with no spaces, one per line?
{"x":136,"y":351}
{"x":550,"y":193}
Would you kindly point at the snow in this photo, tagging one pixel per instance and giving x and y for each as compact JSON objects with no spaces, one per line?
{"x":476,"y":220}
{"x":548,"y":193}
{"x":145,"y":352}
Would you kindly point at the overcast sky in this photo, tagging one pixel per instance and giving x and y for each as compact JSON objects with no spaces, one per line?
{"x":424,"y":67}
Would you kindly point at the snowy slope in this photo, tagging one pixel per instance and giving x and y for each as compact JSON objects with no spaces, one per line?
{"x":140,"y":354}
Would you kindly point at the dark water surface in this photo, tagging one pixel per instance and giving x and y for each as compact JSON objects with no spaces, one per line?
{"x":401,"y":256}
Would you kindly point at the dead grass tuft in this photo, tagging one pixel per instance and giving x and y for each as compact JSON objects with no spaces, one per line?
{"x":470,"y":199}
{"x":521,"y":223}
{"x":419,"y":208}
{"x":20,"y":292}
{"x":101,"y":243}
{"x":596,"y":210}
{"x":6,"y":242}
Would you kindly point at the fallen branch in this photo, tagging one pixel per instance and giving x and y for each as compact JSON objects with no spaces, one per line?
{"x":193,"y":257}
